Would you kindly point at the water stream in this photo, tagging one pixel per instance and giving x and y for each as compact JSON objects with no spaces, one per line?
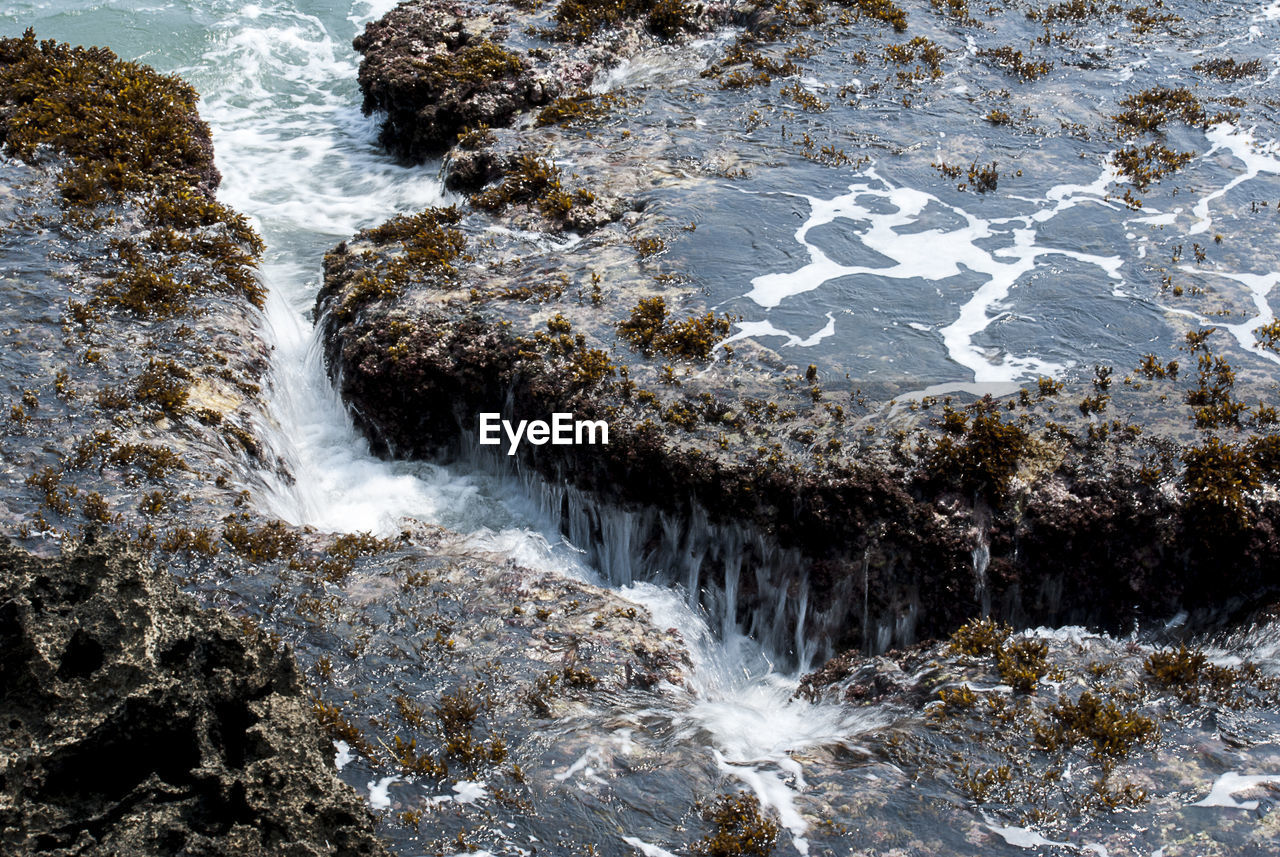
{"x":279,"y":90}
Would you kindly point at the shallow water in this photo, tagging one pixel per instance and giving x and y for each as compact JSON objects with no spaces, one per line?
{"x":880,"y":269}
{"x":278,"y":89}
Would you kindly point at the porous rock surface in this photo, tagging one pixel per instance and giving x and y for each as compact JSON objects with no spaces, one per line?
{"x":435,"y":68}
{"x":136,"y":723}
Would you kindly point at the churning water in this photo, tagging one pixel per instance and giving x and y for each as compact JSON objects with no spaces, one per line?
{"x":277,"y":82}
{"x":865,"y":269}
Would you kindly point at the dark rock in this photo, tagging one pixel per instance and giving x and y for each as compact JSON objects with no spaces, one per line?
{"x":136,"y":723}
{"x":887,"y":545}
{"x":470,"y":171}
{"x":435,"y":68}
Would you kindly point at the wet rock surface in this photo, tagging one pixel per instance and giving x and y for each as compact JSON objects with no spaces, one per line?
{"x":1086,"y":740}
{"x":1106,"y":500}
{"x":482,"y":705}
{"x":437,"y":69}
{"x":136,"y":418}
{"x":137,"y":723}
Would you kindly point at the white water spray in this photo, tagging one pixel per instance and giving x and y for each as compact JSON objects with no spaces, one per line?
{"x":297,"y":157}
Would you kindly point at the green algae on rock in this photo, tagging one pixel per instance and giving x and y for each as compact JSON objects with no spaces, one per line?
{"x":123,"y":131}
{"x":434,"y":72}
{"x":147,"y":419}
{"x":125,"y":126}
{"x":1105,"y":731}
{"x":436,"y":69}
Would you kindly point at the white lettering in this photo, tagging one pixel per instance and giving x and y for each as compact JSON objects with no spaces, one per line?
{"x":588,"y":427}
{"x":490,"y":429}
{"x":560,"y":432}
{"x":513,"y":436}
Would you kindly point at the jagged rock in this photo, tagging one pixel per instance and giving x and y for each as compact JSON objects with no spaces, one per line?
{"x":435,"y":68}
{"x":136,"y":723}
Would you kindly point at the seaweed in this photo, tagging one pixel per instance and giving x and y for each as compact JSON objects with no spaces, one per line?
{"x":198,"y":541}
{"x":155,"y":461}
{"x":1229,"y":68}
{"x":738,"y":54}
{"x":456,"y":715}
{"x":980,"y":637}
{"x":1216,"y":480}
{"x":983,"y":178}
{"x":1071,"y":10}
{"x":1013,"y":61}
{"x":1189,"y":674}
{"x":162,"y":384}
{"x":1150,"y":163}
{"x":1210,"y":400}
{"x":884,"y":11}
{"x":1150,"y":109}
{"x":431,"y":248}
{"x":125,"y":127}
{"x":1151,"y":368}
{"x":1111,"y":730}
{"x":1022,"y":664}
{"x":806,"y":100}
{"x":650,"y":330}
{"x":925,"y":51}
{"x":982,"y":452}
{"x":575,"y":109}
{"x":955,"y":9}
{"x":273,"y":540}
{"x":470,"y":66}
{"x":741,"y":829}
{"x":1144,"y":20}
{"x":530,"y":180}
{"x":579,"y":20}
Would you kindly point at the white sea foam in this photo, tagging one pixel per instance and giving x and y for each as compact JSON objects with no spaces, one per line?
{"x":379,"y":796}
{"x":936,"y":255}
{"x":342,"y":754}
{"x":748,"y":713}
{"x":1240,"y":144}
{"x":646,"y":848}
{"x":1227,"y":786}
{"x":299,"y":159}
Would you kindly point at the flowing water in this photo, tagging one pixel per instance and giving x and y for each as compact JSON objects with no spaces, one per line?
{"x":863,"y":266}
{"x":278,"y":89}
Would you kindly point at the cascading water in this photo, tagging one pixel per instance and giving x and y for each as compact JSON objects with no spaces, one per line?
{"x":279,"y":91}
{"x":296,"y":156}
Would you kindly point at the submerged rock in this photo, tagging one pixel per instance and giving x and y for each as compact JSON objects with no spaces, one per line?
{"x":136,"y":406}
{"x":138,"y":723}
{"x":1067,"y":737}
{"x":803,"y":502}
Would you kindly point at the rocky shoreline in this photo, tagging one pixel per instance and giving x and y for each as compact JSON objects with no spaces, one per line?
{"x":1026,"y":507}
{"x":137,"y":446}
{"x":481,"y":705}
{"x":138,"y":723}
